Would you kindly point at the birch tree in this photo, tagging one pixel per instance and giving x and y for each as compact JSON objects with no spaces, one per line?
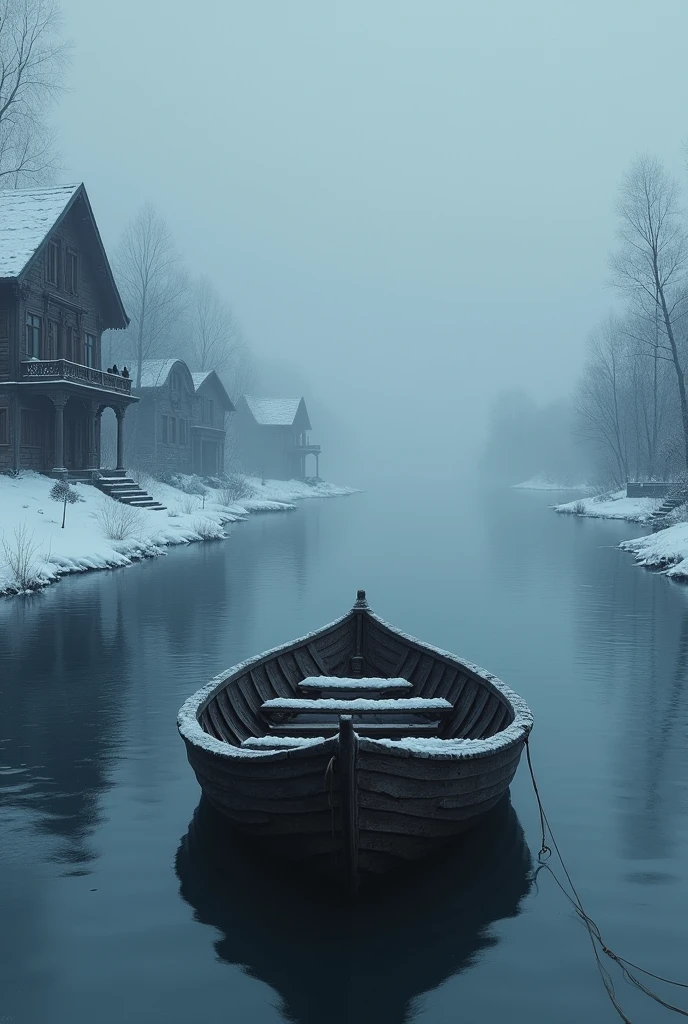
{"x":33,"y":61}
{"x":153,"y":282}
{"x":651,"y":265}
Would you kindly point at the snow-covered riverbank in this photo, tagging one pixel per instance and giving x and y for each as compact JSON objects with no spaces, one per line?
{"x":613,"y":505}
{"x":100,"y":533}
{"x":666,"y":551}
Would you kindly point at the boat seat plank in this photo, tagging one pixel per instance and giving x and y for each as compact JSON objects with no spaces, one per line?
{"x":316,"y":684}
{"x":356,"y":706}
{"x":373,"y":730}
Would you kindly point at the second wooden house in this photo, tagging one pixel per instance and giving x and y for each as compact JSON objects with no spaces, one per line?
{"x":180,"y":422}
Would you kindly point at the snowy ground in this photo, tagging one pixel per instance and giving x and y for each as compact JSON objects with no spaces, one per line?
{"x":613,"y":505}
{"x":543,"y":483}
{"x":666,"y":550}
{"x":35,"y":550}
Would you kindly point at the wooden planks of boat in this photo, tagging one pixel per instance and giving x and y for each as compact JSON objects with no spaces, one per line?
{"x":356,"y":748}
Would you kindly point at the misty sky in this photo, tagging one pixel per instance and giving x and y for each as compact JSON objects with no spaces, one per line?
{"x":414,"y":202}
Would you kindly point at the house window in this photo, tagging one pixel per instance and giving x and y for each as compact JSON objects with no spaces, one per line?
{"x":33,"y":336}
{"x":207,"y":410}
{"x":31,"y":433}
{"x":4,"y":438}
{"x":52,"y":263}
{"x":173,"y":430}
{"x":182,"y":431}
{"x":90,"y":349}
{"x":76,"y":345}
{"x":164,"y":430}
{"x":71,"y":272}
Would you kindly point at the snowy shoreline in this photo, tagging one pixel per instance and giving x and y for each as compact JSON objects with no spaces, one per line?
{"x":665,"y":552}
{"x":31,"y":533}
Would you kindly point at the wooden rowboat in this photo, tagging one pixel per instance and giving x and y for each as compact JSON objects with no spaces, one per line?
{"x":356,"y":748}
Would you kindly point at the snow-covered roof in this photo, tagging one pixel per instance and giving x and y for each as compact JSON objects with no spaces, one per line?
{"x":198,"y":378}
{"x":154,"y":372}
{"x":273,"y":412}
{"x":26,"y":217}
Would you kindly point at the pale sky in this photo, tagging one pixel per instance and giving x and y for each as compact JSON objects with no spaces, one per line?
{"x":412,"y":202}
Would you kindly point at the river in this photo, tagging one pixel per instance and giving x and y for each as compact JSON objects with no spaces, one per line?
{"x":111,"y":912}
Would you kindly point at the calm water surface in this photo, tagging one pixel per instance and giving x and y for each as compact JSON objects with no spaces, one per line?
{"x":119,"y":903}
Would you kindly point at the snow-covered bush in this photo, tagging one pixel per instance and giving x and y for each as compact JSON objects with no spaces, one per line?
{"x":188,"y":504}
{"x":117,"y":520}
{"x":20,"y":559}
{"x":236,"y":487}
{"x":190,"y":485}
{"x":208,"y":529}
{"x":579,"y":508}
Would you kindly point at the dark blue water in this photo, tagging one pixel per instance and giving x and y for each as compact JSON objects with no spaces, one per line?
{"x":114,"y":909}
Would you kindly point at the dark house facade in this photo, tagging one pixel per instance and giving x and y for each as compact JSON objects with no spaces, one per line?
{"x":272,"y":437}
{"x":57,"y":296}
{"x":179,"y":423}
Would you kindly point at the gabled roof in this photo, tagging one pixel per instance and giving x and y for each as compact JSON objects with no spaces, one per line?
{"x":28,"y":215}
{"x":154,"y":372}
{"x":209,"y":379}
{"x":276,"y":412}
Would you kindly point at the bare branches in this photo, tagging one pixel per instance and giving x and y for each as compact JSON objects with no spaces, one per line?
{"x":651,"y":263}
{"x":153,"y":281}
{"x":33,"y":61}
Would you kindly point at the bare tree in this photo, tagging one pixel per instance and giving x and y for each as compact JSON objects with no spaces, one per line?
{"x":602,"y":399}
{"x":216,"y":340}
{"x":652,"y":262}
{"x":153,"y":281}
{"x":33,"y":60}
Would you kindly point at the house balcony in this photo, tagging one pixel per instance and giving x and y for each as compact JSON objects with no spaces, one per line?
{"x":49,"y":370}
{"x":306,"y":449}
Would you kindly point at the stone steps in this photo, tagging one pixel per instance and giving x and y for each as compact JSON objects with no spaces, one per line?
{"x":127,"y":491}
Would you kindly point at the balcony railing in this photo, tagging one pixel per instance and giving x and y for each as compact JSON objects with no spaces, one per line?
{"x":62,"y":369}
{"x":307,"y":449}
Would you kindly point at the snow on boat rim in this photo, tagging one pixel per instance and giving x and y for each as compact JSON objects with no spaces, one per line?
{"x":517,"y":731}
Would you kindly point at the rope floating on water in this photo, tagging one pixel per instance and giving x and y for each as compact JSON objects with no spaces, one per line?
{"x":598,"y":944}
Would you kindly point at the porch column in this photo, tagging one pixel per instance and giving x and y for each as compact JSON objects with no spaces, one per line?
{"x":17,"y":433}
{"x":119,"y":413}
{"x":94,"y":411}
{"x":317,"y":466}
{"x":59,"y":401}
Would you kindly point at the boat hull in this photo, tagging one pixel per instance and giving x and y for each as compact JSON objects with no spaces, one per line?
{"x":407,"y":807}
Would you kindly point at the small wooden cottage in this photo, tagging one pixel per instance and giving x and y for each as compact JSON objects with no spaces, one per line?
{"x":272,"y":437}
{"x":179,"y":424}
{"x":57,"y":296}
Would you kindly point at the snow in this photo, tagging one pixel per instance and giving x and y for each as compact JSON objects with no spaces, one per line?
{"x":613,"y":505}
{"x":435,"y":747}
{"x":199,"y":378}
{"x":154,"y":372}
{"x":26,"y":217}
{"x":273,"y":412}
{"x":340,"y":683}
{"x":666,"y":550}
{"x":543,"y":483}
{"x":359,"y":706}
{"x":258,"y":742}
{"x":25,"y":503}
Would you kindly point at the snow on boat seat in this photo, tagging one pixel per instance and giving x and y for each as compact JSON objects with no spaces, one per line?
{"x":367,"y":685}
{"x":357,"y":706}
{"x":372,"y":730}
{"x":277,"y":742}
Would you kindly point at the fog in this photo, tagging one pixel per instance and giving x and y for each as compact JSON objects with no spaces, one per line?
{"x":409,"y":205}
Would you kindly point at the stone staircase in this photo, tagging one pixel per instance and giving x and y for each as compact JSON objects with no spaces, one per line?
{"x":123,"y":488}
{"x":658,"y":518}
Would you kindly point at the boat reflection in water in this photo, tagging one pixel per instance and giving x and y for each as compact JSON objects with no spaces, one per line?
{"x":337,"y":962}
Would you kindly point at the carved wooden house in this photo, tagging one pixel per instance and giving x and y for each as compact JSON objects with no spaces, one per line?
{"x":57,"y":296}
{"x":272,"y":437}
{"x":179,"y":423}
